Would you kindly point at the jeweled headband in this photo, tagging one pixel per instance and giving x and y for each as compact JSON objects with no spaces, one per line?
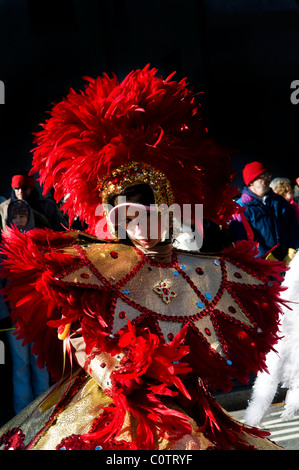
{"x":132,"y":174}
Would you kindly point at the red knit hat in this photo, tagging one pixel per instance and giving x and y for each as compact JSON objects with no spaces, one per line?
{"x":22,"y":180}
{"x":252,"y":171}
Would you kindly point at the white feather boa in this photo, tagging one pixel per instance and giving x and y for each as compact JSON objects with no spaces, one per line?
{"x":283,"y":365}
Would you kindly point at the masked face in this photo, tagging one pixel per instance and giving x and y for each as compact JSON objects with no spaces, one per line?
{"x":144,"y":225}
{"x":144,"y":228}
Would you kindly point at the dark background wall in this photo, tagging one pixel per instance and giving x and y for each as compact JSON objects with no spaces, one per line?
{"x":242,"y":54}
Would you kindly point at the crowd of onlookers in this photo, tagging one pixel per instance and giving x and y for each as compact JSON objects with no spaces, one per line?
{"x":271,"y":213}
{"x":270,"y":217}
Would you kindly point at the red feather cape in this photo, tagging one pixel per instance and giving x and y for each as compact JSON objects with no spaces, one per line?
{"x":41,"y":304}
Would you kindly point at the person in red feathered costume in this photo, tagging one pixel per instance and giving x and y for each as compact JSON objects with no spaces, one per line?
{"x":154,"y":329}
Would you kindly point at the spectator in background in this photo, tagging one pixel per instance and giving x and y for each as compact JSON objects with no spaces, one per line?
{"x":20,"y":214}
{"x":29,"y":381}
{"x":283,"y":186}
{"x":296,"y":191}
{"x":271,"y":218}
{"x":23,"y":188}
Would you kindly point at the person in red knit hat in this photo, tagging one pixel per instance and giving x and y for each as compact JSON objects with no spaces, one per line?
{"x":272,"y":220}
{"x":256,"y":171}
{"x":154,"y":329}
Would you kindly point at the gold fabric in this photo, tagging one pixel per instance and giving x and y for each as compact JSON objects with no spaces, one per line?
{"x":100,"y":256}
{"x":44,"y":427}
{"x":101,"y":367}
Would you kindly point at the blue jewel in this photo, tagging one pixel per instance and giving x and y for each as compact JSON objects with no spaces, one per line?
{"x":183,"y":267}
{"x":98,"y":448}
{"x":176,"y":273}
{"x":62,"y":448}
{"x":126,"y":292}
{"x":199,"y":304}
{"x":208,"y":296}
{"x":229,"y":362}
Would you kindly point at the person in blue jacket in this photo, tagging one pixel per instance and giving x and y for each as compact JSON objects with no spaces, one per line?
{"x":271,"y":218}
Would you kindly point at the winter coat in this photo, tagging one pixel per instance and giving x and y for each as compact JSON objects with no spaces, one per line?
{"x":273,"y":222}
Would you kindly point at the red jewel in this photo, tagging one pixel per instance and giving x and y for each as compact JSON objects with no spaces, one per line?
{"x":232,"y":309}
{"x":113,"y":254}
{"x":170,"y":336}
{"x":122,"y":314}
{"x":84,"y":275}
{"x":199,"y":271}
{"x":208,"y":332}
{"x":103,"y":365}
{"x":238,"y":275}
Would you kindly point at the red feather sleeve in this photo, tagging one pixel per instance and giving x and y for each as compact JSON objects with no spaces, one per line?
{"x":29,"y":266}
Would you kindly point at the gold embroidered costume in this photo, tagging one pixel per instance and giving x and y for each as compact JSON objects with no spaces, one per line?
{"x":154,"y":330}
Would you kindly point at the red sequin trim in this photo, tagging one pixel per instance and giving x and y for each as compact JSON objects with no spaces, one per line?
{"x":13,"y":439}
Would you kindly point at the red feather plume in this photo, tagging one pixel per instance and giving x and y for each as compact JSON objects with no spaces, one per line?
{"x":145,"y":119}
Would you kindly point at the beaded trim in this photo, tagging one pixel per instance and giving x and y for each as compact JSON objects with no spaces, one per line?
{"x":136,"y":173}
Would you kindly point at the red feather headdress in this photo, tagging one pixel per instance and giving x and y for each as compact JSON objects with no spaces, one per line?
{"x":144,"y":129}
